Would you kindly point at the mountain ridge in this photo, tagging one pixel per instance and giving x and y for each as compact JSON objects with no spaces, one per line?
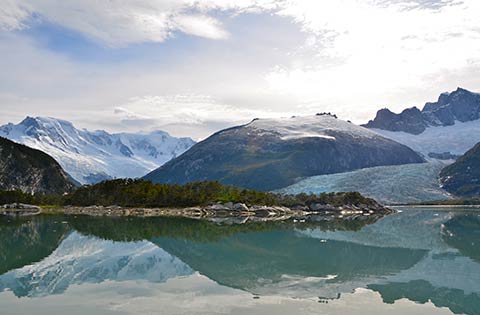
{"x":93,"y":156}
{"x":460,"y":105}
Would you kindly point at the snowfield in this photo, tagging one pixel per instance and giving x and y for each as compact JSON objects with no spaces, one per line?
{"x":456,"y":139}
{"x":317,"y":126}
{"x":387,"y":184}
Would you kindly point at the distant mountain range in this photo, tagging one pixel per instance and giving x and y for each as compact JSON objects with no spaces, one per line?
{"x":268,"y":154}
{"x":30,"y":170}
{"x":91,"y":157}
{"x":384,"y":160}
{"x":458,"y":106}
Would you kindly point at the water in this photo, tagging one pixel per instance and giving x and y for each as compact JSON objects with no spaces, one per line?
{"x":420,"y":261}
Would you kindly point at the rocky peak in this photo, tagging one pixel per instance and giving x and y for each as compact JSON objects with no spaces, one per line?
{"x":460,"y":105}
{"x":410,"y":120}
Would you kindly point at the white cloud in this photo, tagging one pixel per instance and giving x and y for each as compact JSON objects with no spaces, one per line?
{"x":304,"y":56}
{"x":13,"y":14}
{"x":120,"y":23}
{"x":187,"y":110}
{"x":365,"y":50}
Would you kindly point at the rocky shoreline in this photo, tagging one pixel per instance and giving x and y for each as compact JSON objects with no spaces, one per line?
{"x":215,"y":212}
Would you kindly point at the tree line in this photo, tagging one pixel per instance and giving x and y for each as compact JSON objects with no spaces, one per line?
{"x":142,"y":193}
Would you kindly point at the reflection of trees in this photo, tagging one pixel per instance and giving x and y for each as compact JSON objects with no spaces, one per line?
{"x":25,"y":241}
{"x":136,"y":228}
{"x":422,"y":291}
{"x":463,"y":233}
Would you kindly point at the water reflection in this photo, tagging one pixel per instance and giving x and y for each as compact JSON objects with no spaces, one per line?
{"x":418,"y":255}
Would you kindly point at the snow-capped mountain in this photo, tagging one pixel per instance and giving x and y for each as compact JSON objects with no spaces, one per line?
{"x":458,"y":106}
{"x":452,"y":124}
{"x":84,"y":259}
{"x":268,"y":154}
{"x":91,"y":157}
{"x":440,"y":132}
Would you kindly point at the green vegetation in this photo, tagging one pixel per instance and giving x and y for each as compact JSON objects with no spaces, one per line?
{"x":142,"y":193}
{"x":123,"y":229}
{"x":13,"y":196}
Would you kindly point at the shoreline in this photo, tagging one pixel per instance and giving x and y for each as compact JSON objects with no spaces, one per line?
{"x":257,"y":213}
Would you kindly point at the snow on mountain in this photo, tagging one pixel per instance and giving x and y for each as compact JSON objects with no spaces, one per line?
{"x":318,"y":126}
{"x":388,"y":184}
{"x":456,"y":139}
{"x":94,"y":156}
{"x":85,"y":259}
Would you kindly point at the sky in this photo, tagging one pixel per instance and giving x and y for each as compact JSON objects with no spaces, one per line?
{"x":192,"y":67}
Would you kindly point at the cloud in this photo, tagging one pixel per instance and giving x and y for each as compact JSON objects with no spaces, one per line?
{"x":13,"y":14}
{"x":265,"y":58}
{"x":362,"y":51}
{"x":120,"y":23}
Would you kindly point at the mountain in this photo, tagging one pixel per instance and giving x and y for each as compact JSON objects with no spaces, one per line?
{"x":30,"y":170}
{"x":80,"y":259}
{"x":458,"y":106}
{"x":462,"y":178}
{"x":91,"y":157}
{"x":267,"y":154}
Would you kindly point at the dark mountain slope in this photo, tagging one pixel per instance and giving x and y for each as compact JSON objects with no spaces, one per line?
{"x":30,"y":170}
{"x":267,"y":154}
{"x":462,"y":178}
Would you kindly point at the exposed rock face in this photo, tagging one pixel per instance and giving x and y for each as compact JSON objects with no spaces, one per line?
{"x":460,"y":105}
{"x":30,"y":170}
{"x":410,"y":120}
{"x":267,"y":154}
{"x":462,"y":178}
{"x":92,"y":157}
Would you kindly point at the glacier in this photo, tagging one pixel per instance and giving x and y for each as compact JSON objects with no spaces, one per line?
{"x":396,"y":184}
{"x":456,"y":139}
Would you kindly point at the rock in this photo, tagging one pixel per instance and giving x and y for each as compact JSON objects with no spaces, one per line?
{"x":31,"y":171}
{"x":460,"y":105}
{"x":240,"y":207}
{"x":216,"y":207}
{"x":300,"y":208}
{"x":228,"y":205}
{"x":321,"y":207}
{"x":410,"y":120}
{"x":20,"y":206}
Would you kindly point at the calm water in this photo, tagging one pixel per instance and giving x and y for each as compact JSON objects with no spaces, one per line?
{"x":420,"y":261}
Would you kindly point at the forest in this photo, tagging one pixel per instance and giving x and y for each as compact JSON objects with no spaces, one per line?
{"x":142,"y":193}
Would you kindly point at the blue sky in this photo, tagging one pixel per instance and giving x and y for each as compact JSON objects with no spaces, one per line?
{"x":193,"y":67}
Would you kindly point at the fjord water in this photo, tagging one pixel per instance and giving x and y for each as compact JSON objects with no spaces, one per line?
{"x":419,"y":261}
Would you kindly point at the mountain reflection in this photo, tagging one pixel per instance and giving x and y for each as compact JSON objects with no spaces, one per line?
{"x":418,"y":255}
